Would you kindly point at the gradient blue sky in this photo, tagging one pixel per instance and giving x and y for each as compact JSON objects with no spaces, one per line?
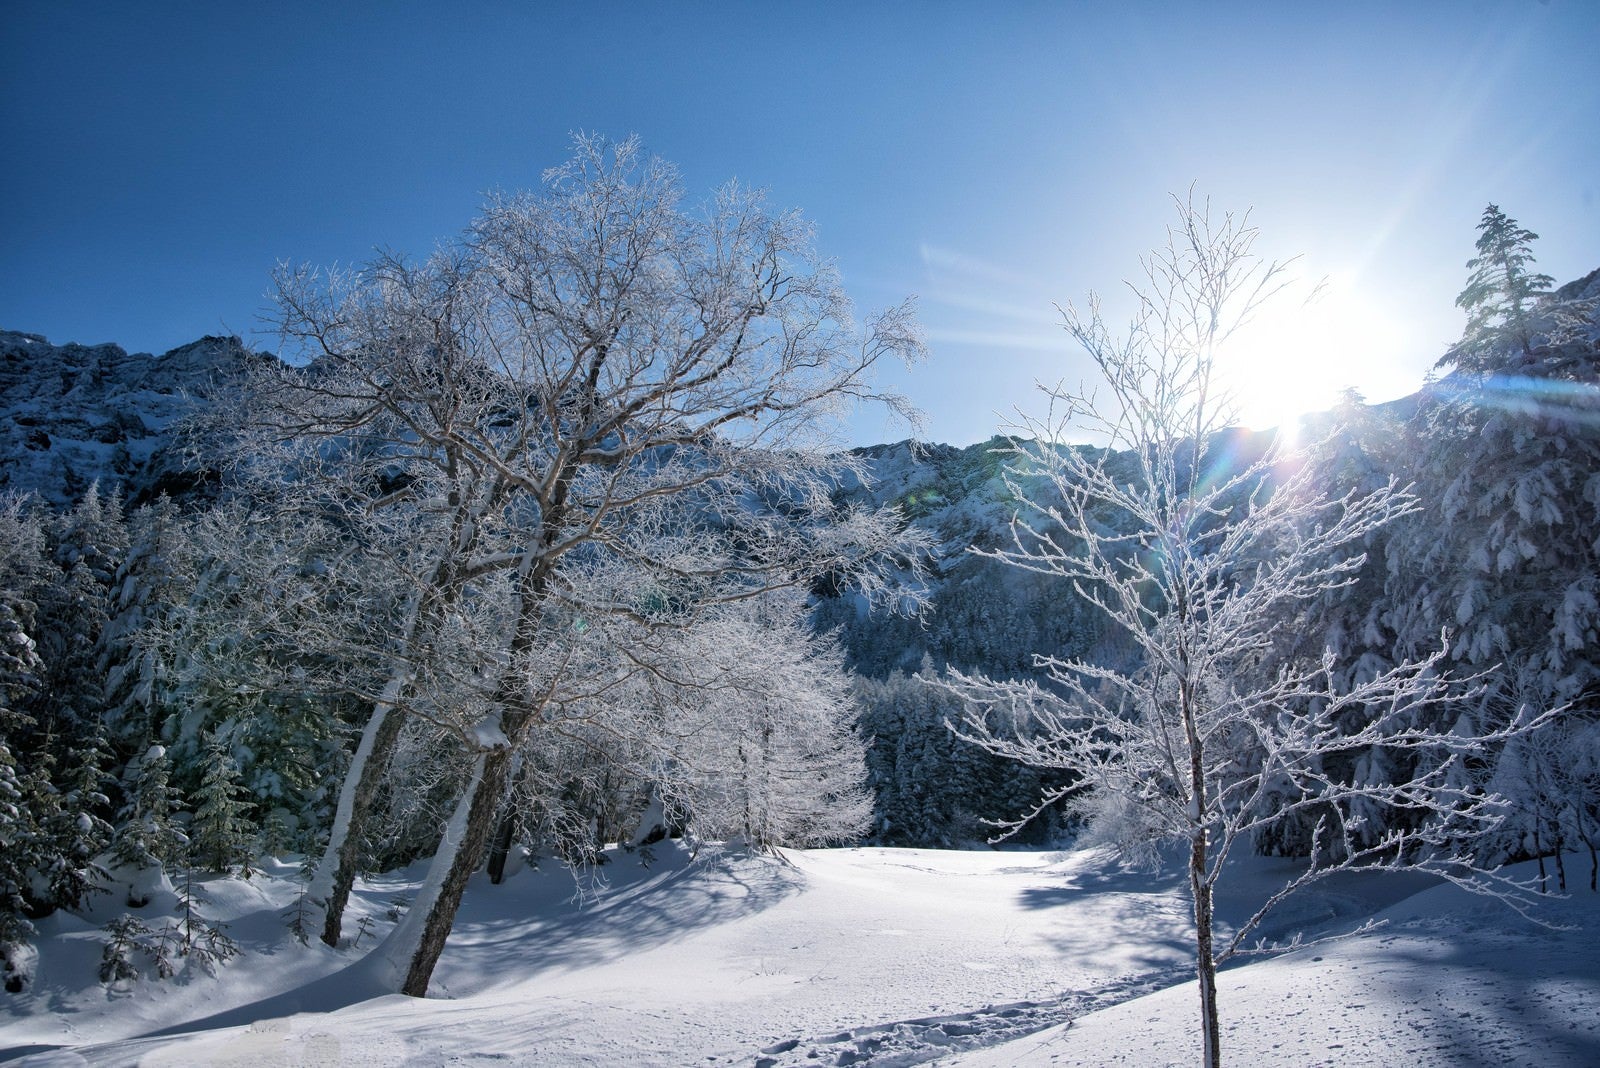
{"x":991,"y":158}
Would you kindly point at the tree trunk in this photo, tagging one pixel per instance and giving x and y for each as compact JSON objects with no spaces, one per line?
{"x":1560,"y":845}
{"x":1205,"y":962}
{"x":501,"y":848}
{"x":465,"y":842}
{"x":1538,"y":848}
{"x":505,"y":831}
{"x":1199,"y":884}
{"x":336,"y":872}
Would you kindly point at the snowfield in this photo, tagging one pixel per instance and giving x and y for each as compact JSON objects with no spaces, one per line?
{"x":851,"y":956}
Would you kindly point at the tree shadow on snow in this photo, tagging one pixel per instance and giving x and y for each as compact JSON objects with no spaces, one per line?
{"x":516,"y":930}
{"x":505,"y":934}
{"x":1491,"y":986}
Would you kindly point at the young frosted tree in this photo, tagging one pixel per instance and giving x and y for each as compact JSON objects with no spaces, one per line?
{"x":597,"y":405}
{"x":758,"y":740}
{"x":146,"y":835}
{"x":1500,"y":292}
{"x":220,"y":837}
{"x":1209,"y":736}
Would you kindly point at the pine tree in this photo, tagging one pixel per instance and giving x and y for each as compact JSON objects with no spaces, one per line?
{"x":194,"y":936}
{"x":124,"y":937}
{"x":15,"y":832}
{"x":146,"y":588}
{"x":220,"y":835}
{"x":86,"y":545}
{"x":20,"y":669}
{"x":80,"y":832}
{"x":1500,"y":292}
{"x":1506,"y":460}
{"x":146,"y":835}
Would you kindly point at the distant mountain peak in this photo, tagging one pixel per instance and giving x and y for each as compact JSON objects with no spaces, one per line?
{"x":73,"y":415}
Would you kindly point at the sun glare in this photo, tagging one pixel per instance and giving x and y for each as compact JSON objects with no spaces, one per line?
{"x":1294,"y":358}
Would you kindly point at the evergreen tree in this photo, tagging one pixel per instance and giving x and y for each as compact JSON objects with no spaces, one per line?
{"x":1506,"y":461}
{"x":146,"y":835}
{"x":1500,"y":291}
{"x":144,"y":591}
{"x":80,"y":832}
{"x":193,"y":935}
{"x":86,"y":545}
{"x":13,"y":837}
{"x":220,"y":835}
{"x":22,"y":559}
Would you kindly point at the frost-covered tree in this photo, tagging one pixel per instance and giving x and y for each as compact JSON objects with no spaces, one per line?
{"x":1500,"y":292}
{"x":146,"y":835}
{"x":595,"y":413}
{"x":238,"y":621}
{"x":1197,"y":565}
{"x":220,"y":837}
{"x":760,"y":740}
{"x":1505,"y":456}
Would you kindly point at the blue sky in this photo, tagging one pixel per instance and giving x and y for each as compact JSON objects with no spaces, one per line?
{"x":990,"y":158}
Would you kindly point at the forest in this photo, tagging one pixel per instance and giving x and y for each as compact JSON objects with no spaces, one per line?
{"x":540,"y":545}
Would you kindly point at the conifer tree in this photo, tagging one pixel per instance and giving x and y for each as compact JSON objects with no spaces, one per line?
{"x":220,"y":835}
{"x":1500,"y":291}
{"x":80,"y":832}
{"x":20,"y":672}
{"x":146,"y":835}
{"x":1506,"y":461}
{"x":145,"y":589}
{"x":13,"y":835}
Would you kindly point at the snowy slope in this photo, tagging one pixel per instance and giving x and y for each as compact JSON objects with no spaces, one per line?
{"x":859,"y":956}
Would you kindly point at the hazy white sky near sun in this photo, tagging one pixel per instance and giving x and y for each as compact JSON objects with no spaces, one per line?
{"x":991,"y":158}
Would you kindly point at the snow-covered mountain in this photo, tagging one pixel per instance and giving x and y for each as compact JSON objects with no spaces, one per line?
{"x":73,"y":415}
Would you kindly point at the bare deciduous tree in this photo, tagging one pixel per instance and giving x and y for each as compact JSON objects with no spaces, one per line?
{"x":1207,"y":734}
{"x":594,"y":415}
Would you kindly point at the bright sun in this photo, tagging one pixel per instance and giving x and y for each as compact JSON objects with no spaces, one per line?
{"x":1294,"y":357}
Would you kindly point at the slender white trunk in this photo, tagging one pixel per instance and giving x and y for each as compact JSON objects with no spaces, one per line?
{"x":339,"y":833}
{"x":395,"y":956}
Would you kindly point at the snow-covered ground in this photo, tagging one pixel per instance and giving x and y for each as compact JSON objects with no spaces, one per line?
{"x":854,"y":956}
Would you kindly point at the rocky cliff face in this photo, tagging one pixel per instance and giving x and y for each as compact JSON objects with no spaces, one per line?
{"x":72,"y":415}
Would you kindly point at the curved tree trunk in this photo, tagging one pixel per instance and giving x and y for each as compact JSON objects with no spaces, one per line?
{"x":420,"y":939}
{"x":336,"y":872}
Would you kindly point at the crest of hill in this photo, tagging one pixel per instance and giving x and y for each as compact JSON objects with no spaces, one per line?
{"x":74,"y":415}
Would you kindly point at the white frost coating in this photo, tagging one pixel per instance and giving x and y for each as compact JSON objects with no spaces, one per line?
{"x":392,"y":959}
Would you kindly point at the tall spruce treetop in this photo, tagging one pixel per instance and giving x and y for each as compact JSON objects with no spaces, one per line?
{"x":1499,"y":291}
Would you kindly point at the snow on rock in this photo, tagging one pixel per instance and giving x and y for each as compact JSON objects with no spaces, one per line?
{"x":71,"y":415}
